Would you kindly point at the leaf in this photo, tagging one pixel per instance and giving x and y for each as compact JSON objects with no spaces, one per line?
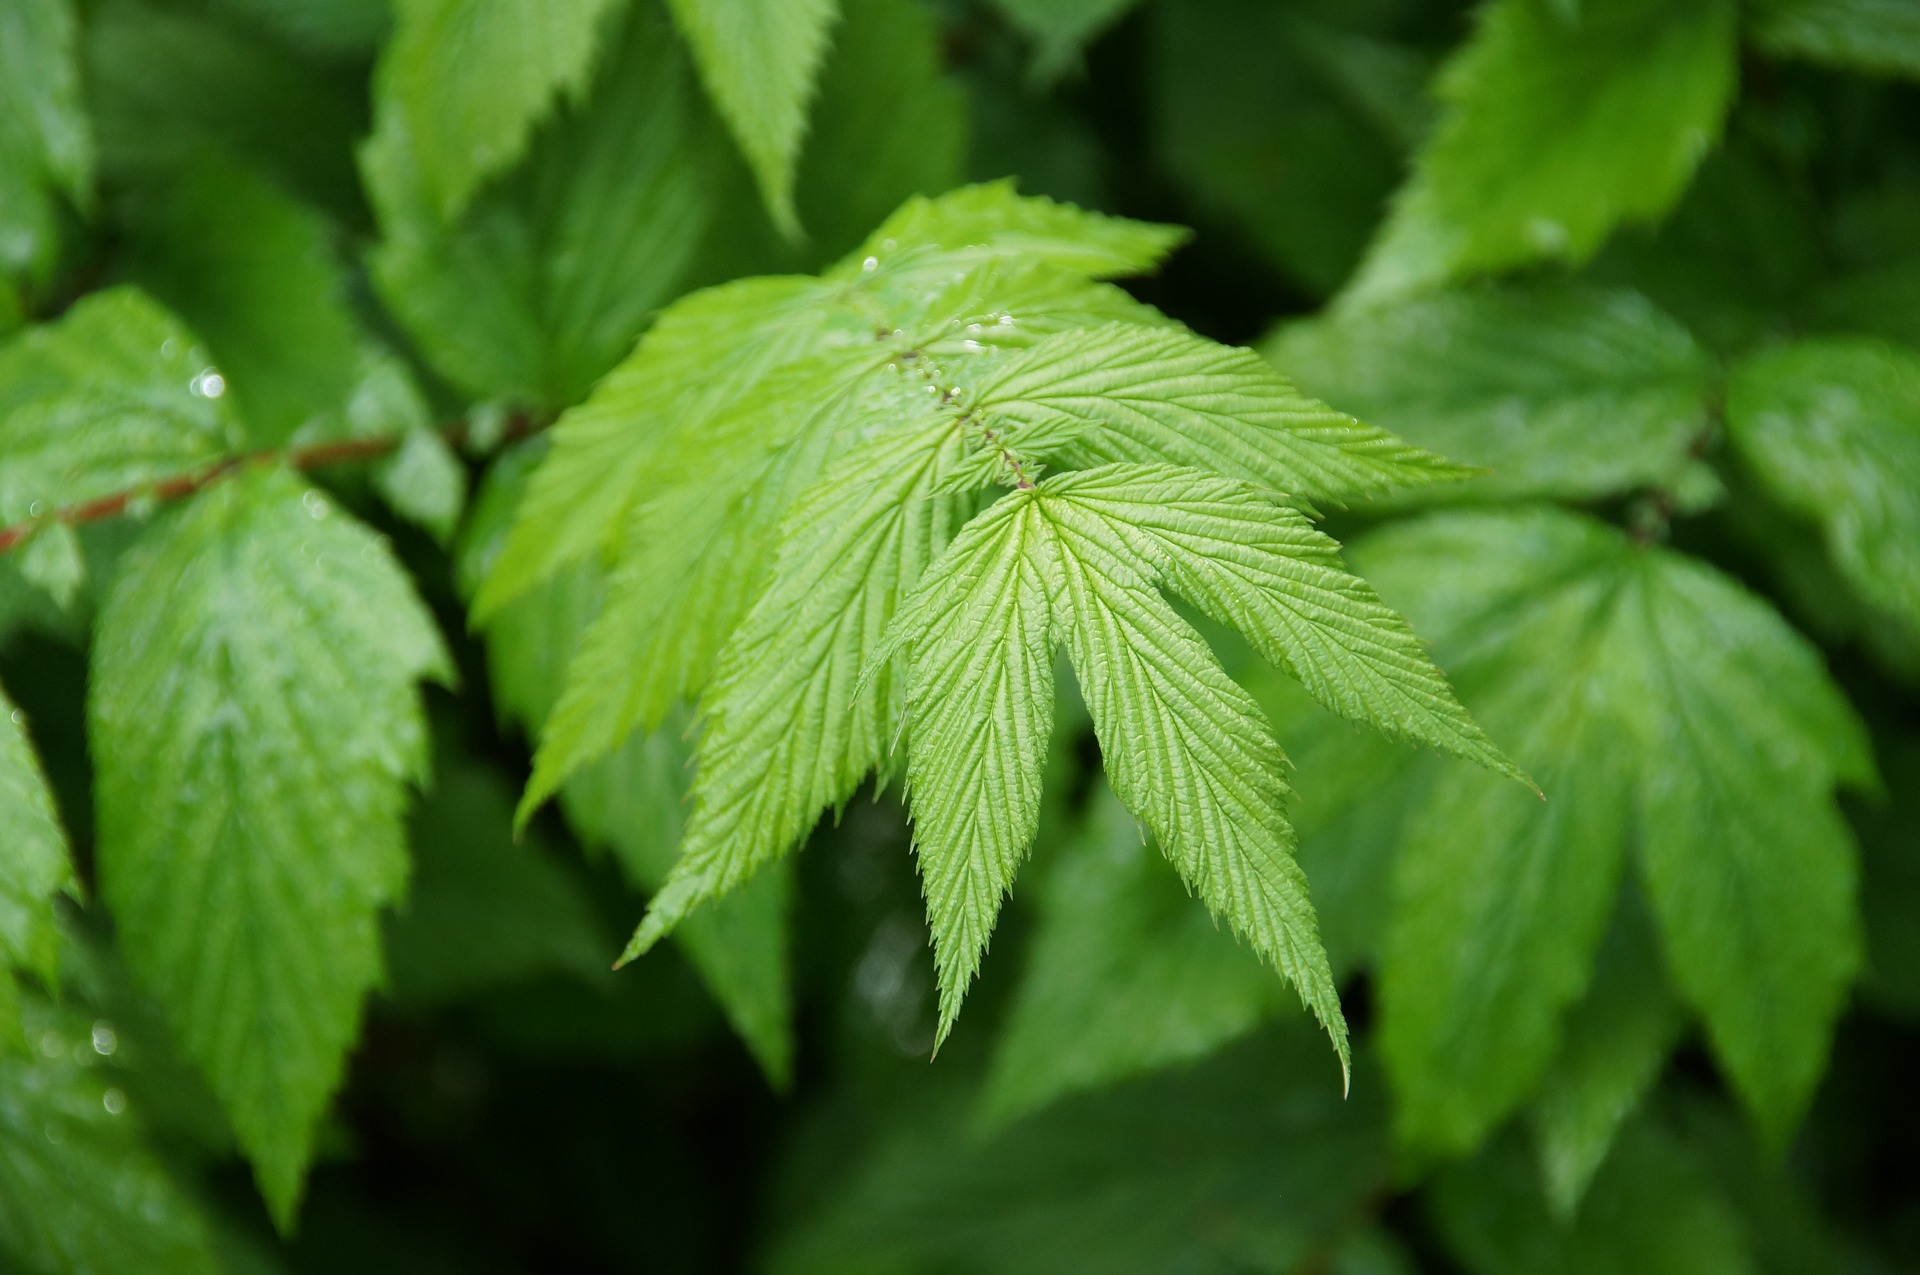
{"x":253,"y":272}
{"x":1243,"y":1162}
{"x":1060,"y":28}
{"x":34,"y":867}
{"x":979,"y":706}
{"x":1573,"y":392}
{"x":1185,"y":748}
{"x":1500,"y":900}
{"x":79,"y":1189}
{"x":1124,"y":975}
{"x":785,"y":733}
{"x":632,"y":799}
{"x":931,"y":237}
{"x":1653,"y":1210}
{"x":46,"y":147}
{"x":544,"y":280}
{"x":1618,"y":1037}
{"x":1558,"y":127}
{"x":1261,"y":568}
{"x":483,"y":911}
{"x":1153,"y":394}
{"x":717,"y":353}
{"x":253,"y":719}
{"x":462,"y":83}
{"x":759,"y":60}
{"x":1762,"y":935}
{"x":1832,"y":429}
{"x":1661,"y":705}
{"x":111,"y":396}
{"x":703,"y":355}
{"x":697,"y":550}
{"x":1880,"y":36}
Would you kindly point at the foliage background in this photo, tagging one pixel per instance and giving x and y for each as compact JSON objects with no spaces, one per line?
{"x":1704,"y":339}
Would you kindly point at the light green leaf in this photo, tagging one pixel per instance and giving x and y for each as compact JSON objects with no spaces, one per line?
{"x":1832,"y":428}
{"x":1123,"y":975}
{"x":1653,"y":1211}
{"x":1246,"y":1162}
{"x":700,"y":546}
{"x":1563,"y":391}
{"x":254,"y":272}
{"x":633,"y":799}
{"x":992,"y":221}
{"x":1186,"y":749}
{"x":34,"y":867}
{"x":1559,"y":126}
{"x":79,"y":1189}
{"x":1060,"y":28}
{"x":1618,"y":1037}
{"x":46,"y":147}
{"x":785,"y":732}
{"x":1263,"y":569}
{"x":705,"y":355}
{"x":1659,"y":704}
{"x":546,"y":278}
{"x":979,"y":705}
{"x":463,"y":82}
{"x":482,"y":911}
{"x":1854,"y":35}
{"x":253,"y":719}
{"x":725,"y":353}
{"x":759,"y":60}
{"x":114,"y":395}
{"x":1162,"y":394}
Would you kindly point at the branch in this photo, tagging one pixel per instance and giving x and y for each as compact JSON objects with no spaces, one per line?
{"x":316,"y":456}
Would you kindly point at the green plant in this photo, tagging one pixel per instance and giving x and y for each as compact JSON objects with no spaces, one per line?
{"x":646,"y":385}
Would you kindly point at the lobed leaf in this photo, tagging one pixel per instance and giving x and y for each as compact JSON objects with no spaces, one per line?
{"x":1152,"y":394}
{"x":1615,"y":669}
